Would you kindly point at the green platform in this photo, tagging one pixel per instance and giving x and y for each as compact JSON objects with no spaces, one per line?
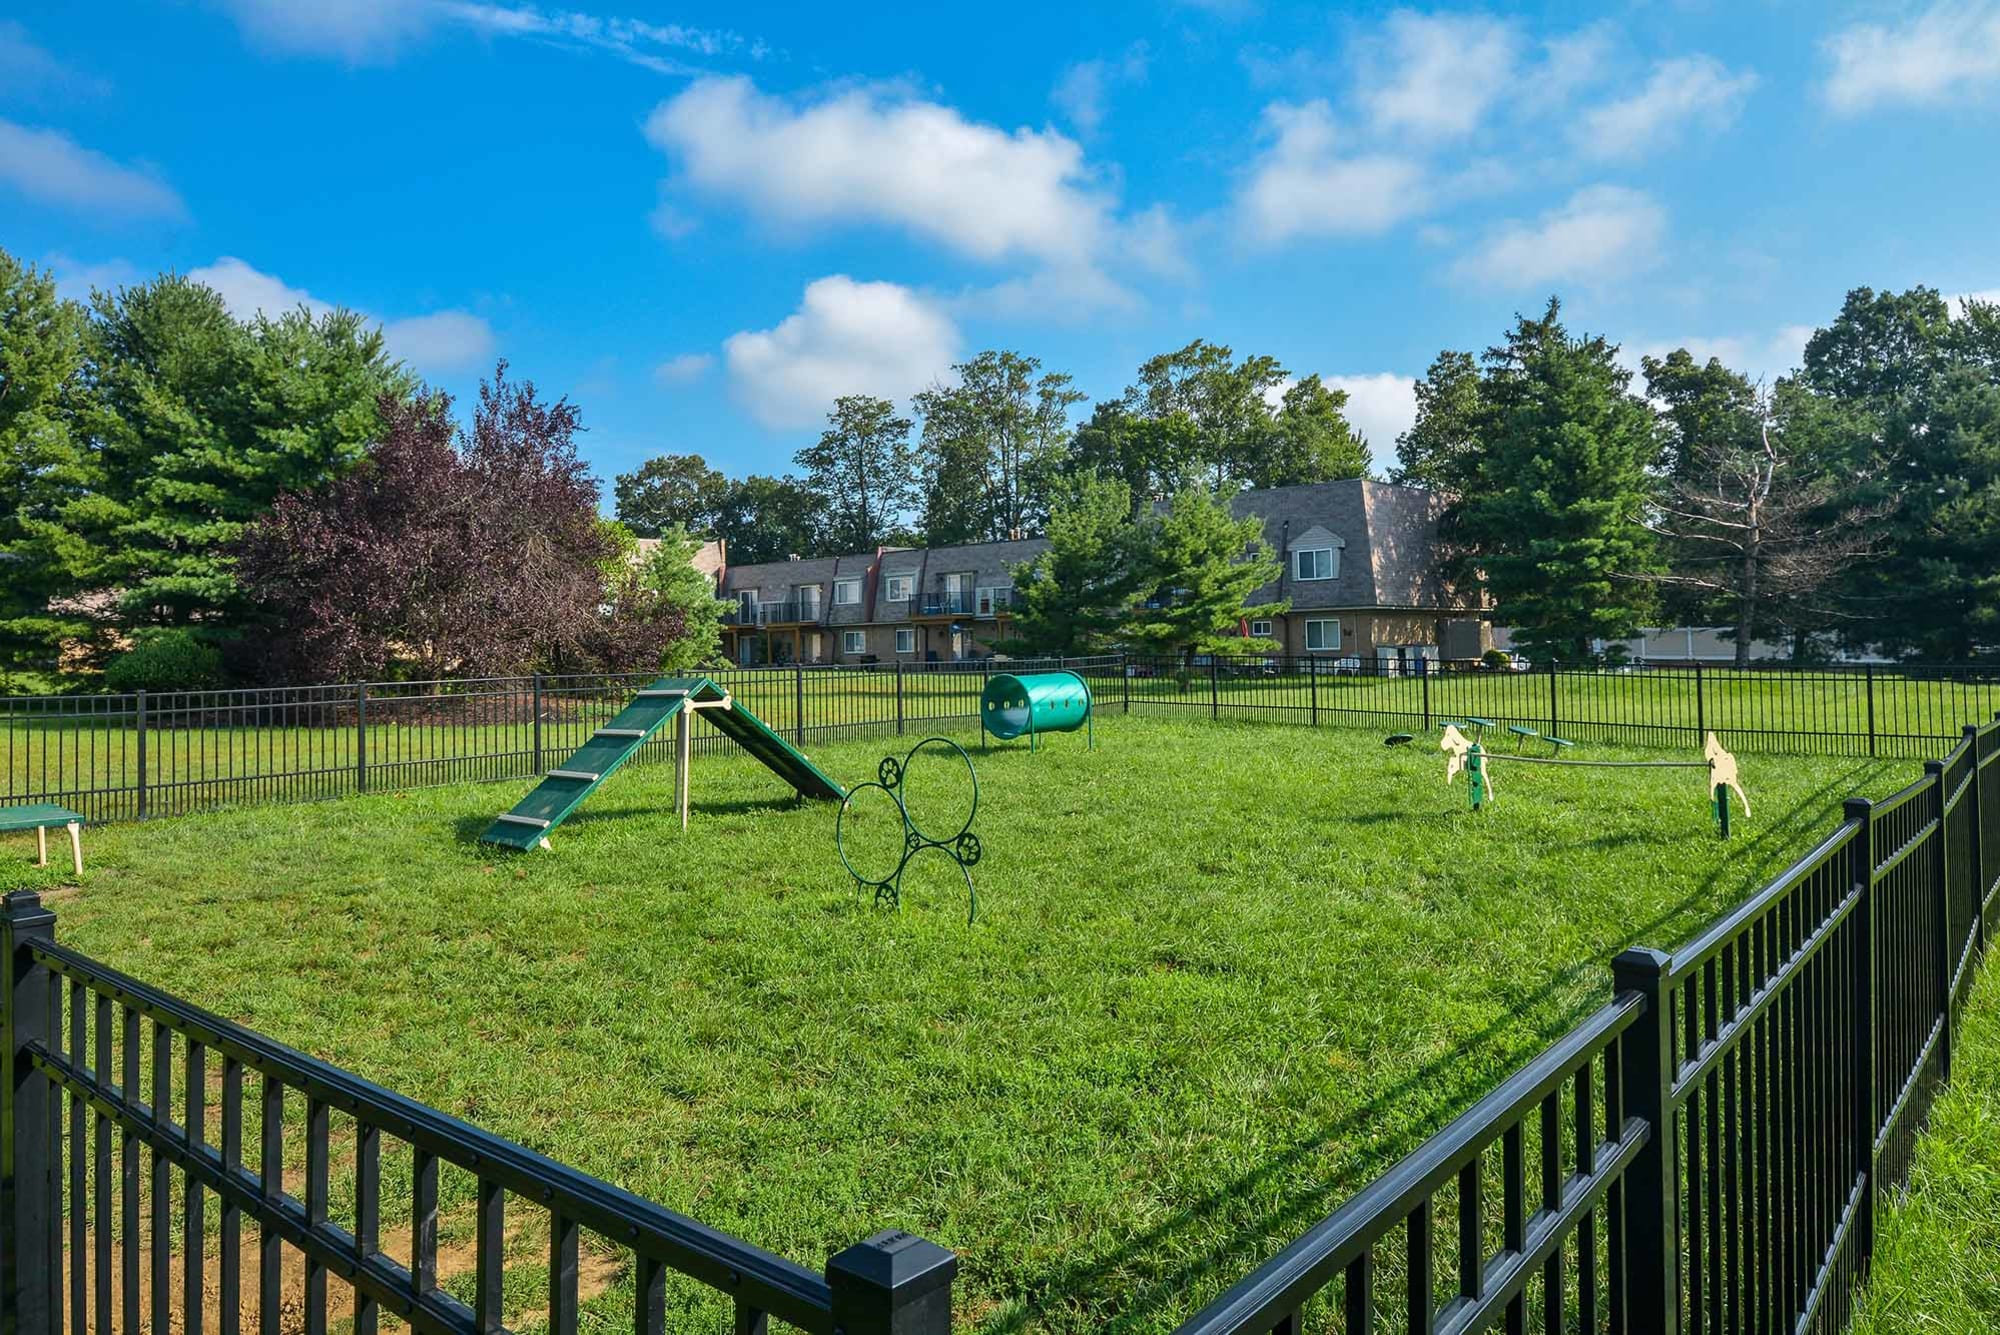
{"x":566,"y":786}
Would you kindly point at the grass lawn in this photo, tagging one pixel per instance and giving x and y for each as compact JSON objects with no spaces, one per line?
{"x":1220,"y":976}
{"x":1937,"y":1249}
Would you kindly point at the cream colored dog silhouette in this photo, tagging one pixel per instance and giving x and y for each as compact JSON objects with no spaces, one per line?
{"x":1722,"y":770}
{"x":1456,"y":747}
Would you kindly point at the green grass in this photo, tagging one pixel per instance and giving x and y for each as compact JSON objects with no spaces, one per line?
{"x":1221,"y":976}
{"x":1937,"y":1248}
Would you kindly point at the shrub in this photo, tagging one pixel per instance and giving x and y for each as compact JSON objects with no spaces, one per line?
{"x":1497,"y":659}
{"x":169,"y":660}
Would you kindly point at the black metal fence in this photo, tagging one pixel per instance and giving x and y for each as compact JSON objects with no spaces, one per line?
{"x":1702,"y":1154}
{"x":1910,"y":711}
{"x":127,"y":1110}
{"x":130,"y":757}
{"x":1705,"y":1153}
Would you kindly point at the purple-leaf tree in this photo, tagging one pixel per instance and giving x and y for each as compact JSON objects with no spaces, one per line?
{"x":442,"y":557}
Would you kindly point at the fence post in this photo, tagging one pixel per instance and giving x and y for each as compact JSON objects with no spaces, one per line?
{"x":1312,"y":676}
{"x":1424,"y":665}
{"x":1552,"y":696}
{"x":538,"y":722}
{"x":1941,"y":903}
{"x":1861,"y":1034}
{"x":1652,"y":1244}
{"x":895,"y":1283}
{"x":1868,"y":674}
{"x":1214,"y":687}
{"x":361,"y":738}
{"x":140,"y":696}
{"x":899,"y":697}
{"x":1700,"y":710}
{"x":30,"y":1208}
{"x":1125,"y":670}
{"x":799,"y":702}
{"x":1978,"y":819}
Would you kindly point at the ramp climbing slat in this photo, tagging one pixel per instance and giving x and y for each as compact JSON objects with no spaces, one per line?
{"x":564,"y":789}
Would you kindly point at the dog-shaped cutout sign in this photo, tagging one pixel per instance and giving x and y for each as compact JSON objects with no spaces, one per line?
{"x":1722,"y":771}
{"x":1456,"y":747}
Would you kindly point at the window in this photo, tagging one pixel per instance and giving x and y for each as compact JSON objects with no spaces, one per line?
{"x":1260,"y":630}
{"x":896,"y":588}
{"x":994,"y":597}
{"x":809,"y":600}
{"x":853,"y":642}
{"x":1316,"y":563}
{"x":906,"y":641}
{"x":847,"y":593}
{"x":1322,"y":635}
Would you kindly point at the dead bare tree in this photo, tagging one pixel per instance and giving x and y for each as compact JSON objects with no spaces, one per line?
{"x":1754,"y":525}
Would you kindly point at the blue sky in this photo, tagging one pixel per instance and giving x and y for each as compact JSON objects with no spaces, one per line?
{"x":703,"y":221}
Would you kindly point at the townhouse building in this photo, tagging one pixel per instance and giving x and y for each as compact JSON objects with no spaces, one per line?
{"x":1360,"y":562}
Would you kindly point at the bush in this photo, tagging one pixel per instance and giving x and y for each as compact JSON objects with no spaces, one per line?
{"x":170,"y":660}
{"x":1497,"y":659}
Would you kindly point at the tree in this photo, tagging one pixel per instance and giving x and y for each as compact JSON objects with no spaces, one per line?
{"x":47,"y":470}
{"x":771,"y":518}
{"x":1307,"y":440}
{"x":445,"y":554}
{"x":1440,"y":449}
{"x":1228,"y":402}
{"x":863,"y":467}
{"x":1201,"y":567}
{"x":1754,"y":525}
{"x":1555,"y":507}
{"x":1154,"y":457}
{"x":1915,"y":386}
{"x":686,"y":596}
{"x":202,"y":422}
{"x":671,"y":490}
{"x":991,"y":444}
{"x":1704,"y":407}
{"x":1074,"y":597}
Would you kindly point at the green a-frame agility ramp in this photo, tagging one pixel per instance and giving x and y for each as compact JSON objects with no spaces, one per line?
{"x":672,"y":700}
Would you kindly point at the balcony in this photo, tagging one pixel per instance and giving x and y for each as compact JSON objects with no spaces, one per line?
{"x":984,"y":603}
{"x":787,"y":612}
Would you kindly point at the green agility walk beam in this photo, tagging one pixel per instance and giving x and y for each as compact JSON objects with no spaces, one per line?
{"x":668,"y":700}
{"x":1034,"y":703}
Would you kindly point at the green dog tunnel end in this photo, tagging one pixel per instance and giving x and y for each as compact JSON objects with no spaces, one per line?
{"x":1034,"y":702}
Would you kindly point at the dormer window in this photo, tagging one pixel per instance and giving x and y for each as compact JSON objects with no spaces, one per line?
{"x":1310,"y":563}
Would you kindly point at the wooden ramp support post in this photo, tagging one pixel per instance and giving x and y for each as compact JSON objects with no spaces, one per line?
{"x":684,"y":740}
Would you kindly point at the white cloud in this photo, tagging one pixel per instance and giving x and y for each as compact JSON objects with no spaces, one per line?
{"x":1680,"y":94}
{"x":878,"y":155}
{"x":1380,"y":406}
{"x":441,"y":341}
{"x":1301,"y":184}
{"x":357,"y":31}
{"x":77,"y":279}
{"x":1066,"y":295}
{"x":1084,"y":87}
{"x":1435,"y":76}
{"x":684,"y":369}
{"x":249,"y":292}
{"x":845,"y":338}
{"x":366,"y":32}
{"x":1952,"y":48}
{"x":50,"y":167}
{"x":1761,"y":357}
{"x":1601,"y":232}
{"x":448,"y":340}
{"x":25,"y":68}
{"x":1990,"y":296}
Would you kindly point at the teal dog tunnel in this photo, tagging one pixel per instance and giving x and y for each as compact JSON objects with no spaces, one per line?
{"x":1033,"y":703}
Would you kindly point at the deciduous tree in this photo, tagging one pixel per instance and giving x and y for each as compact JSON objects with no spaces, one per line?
{"x":863,"y":467}
{"x":671,"y":490}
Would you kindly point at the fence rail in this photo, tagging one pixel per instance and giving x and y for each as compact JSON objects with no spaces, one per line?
{"x":1705,"y":1153}
{"x":1761,"y":1087}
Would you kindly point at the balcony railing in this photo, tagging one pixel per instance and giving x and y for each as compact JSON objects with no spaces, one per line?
{"x":788,"y":611}
{"x":964,"y":602}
